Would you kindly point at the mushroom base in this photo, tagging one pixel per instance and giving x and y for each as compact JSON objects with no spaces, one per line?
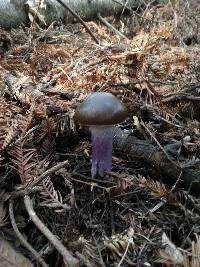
{"x":102,"y":144}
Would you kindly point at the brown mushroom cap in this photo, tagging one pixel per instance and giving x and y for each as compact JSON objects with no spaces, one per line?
{"x":100,"y":109}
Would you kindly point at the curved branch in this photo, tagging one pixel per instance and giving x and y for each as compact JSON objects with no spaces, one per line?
{"x":23,"y":241}
{"x":69,"y":260}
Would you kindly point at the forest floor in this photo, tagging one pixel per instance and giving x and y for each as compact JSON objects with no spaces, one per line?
{"x":146,"y":211}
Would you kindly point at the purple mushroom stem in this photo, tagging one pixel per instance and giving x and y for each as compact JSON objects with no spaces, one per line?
{"x":102,"y":144}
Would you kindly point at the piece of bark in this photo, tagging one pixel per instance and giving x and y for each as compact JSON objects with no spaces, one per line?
{"x":15,"y":12}
{"x":155,"y":158}
{"x":12,"y":13}
{"x":24,"y":90}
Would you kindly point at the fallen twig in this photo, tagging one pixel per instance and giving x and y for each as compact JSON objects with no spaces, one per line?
{"x":159,"y":145}
{"x":110,"y":26}
{"x":69,"y":260}
{"x":33,"y":22}
{"x":23,"y":241}
{"x":180,"y":97}
{"x":31,"y":186}
{"x":125,"y":252}
{"x":80,"y":20}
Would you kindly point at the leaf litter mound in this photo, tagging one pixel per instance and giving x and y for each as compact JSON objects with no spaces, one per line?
{"x":146,"y":212}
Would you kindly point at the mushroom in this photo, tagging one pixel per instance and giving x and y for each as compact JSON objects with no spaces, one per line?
{"x":101,"y":111}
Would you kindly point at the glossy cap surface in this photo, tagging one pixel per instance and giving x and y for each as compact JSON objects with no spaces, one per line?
{"x":100,"y":109}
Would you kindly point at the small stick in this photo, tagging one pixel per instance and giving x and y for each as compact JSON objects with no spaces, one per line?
{"x":181,"y":97}
{"x":124,"y":6}
{"x":46,"y":173}
{"x":125,"y":252}
{"x":32,"y":23}
{"x":31,"y":186}
{"x":107,"y":24}
{"x":159,"y":145}
{"x":79,"y":19}
{"x":69,"y":260}
{"x":178,"y":179}
{"x":23,"y":241}
{"x":93,"y":184}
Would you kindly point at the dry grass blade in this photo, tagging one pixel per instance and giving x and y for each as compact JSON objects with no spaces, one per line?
{"x":9,"y":257}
